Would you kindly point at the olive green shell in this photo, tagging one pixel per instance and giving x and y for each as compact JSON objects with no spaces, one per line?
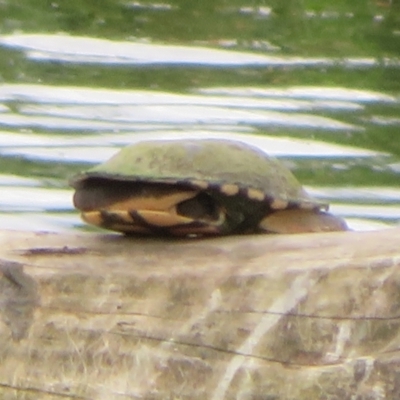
{"x":203,"y":163}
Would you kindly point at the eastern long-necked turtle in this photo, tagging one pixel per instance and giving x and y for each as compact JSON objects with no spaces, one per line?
{"x":198,"y":187}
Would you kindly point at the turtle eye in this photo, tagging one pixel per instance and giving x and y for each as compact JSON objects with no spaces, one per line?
{"x":200,"y":207}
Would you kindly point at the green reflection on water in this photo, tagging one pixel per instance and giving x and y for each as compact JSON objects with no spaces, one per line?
{"x":310,"y":28}
{"x":39,"y":169}
{"x":344,"y":28}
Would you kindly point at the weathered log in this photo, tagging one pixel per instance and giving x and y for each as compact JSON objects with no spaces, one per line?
{"x":312,"y":316}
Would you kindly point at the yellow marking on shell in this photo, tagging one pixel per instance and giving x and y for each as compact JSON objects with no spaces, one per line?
{"x":163,"y":219}
{"x":255,"y":194}
{"x":125,"y":224}
{"x":92,"y":217}
{"x":132,"y":228}
{"x":97,"y":217}
{"x":200,"y":184}
{"x":279,"y":204}
{"x":165,"y":202}
{"x":229,"y":189}
{"x":175,"y":224}
{"x":302,"y":221}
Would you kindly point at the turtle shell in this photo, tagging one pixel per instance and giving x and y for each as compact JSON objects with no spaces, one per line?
{"x":246,"y":183}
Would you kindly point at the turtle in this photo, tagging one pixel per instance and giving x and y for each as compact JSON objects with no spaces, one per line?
{"x":198,"y":187}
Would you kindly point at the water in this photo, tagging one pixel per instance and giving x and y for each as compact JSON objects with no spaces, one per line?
{"x":313,"y":83}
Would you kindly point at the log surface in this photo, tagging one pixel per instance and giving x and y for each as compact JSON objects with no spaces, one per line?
{"x":312,"y":316}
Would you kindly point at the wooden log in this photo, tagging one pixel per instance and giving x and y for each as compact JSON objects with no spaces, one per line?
{"x":312,"y":316}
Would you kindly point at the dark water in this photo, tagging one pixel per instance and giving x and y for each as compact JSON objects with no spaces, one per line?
{"x":315,"y":83}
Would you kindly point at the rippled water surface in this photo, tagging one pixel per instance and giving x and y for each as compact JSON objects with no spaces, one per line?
{"x":316,"y":84}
